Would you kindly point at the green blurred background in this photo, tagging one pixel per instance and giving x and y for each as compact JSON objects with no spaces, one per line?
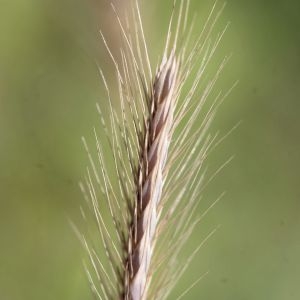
{"x":48,"y":89}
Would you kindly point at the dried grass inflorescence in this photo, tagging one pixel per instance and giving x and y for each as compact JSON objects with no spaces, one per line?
{"x":149,"y":183}
{"x":158,"y":141}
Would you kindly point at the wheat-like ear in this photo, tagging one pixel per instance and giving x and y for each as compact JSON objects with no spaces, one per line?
{"x":158,"y":140}
{"x":149,"y":182}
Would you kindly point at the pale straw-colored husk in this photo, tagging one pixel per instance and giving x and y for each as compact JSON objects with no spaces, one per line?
{"x":150,"y":178}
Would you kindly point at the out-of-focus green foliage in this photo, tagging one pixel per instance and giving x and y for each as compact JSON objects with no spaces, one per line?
{"x":48,"y":88}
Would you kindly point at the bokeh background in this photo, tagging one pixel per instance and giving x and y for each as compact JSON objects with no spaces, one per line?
{"x":49,"y":85}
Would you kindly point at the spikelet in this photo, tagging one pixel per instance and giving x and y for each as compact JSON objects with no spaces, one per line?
{"x":151,"y":188}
